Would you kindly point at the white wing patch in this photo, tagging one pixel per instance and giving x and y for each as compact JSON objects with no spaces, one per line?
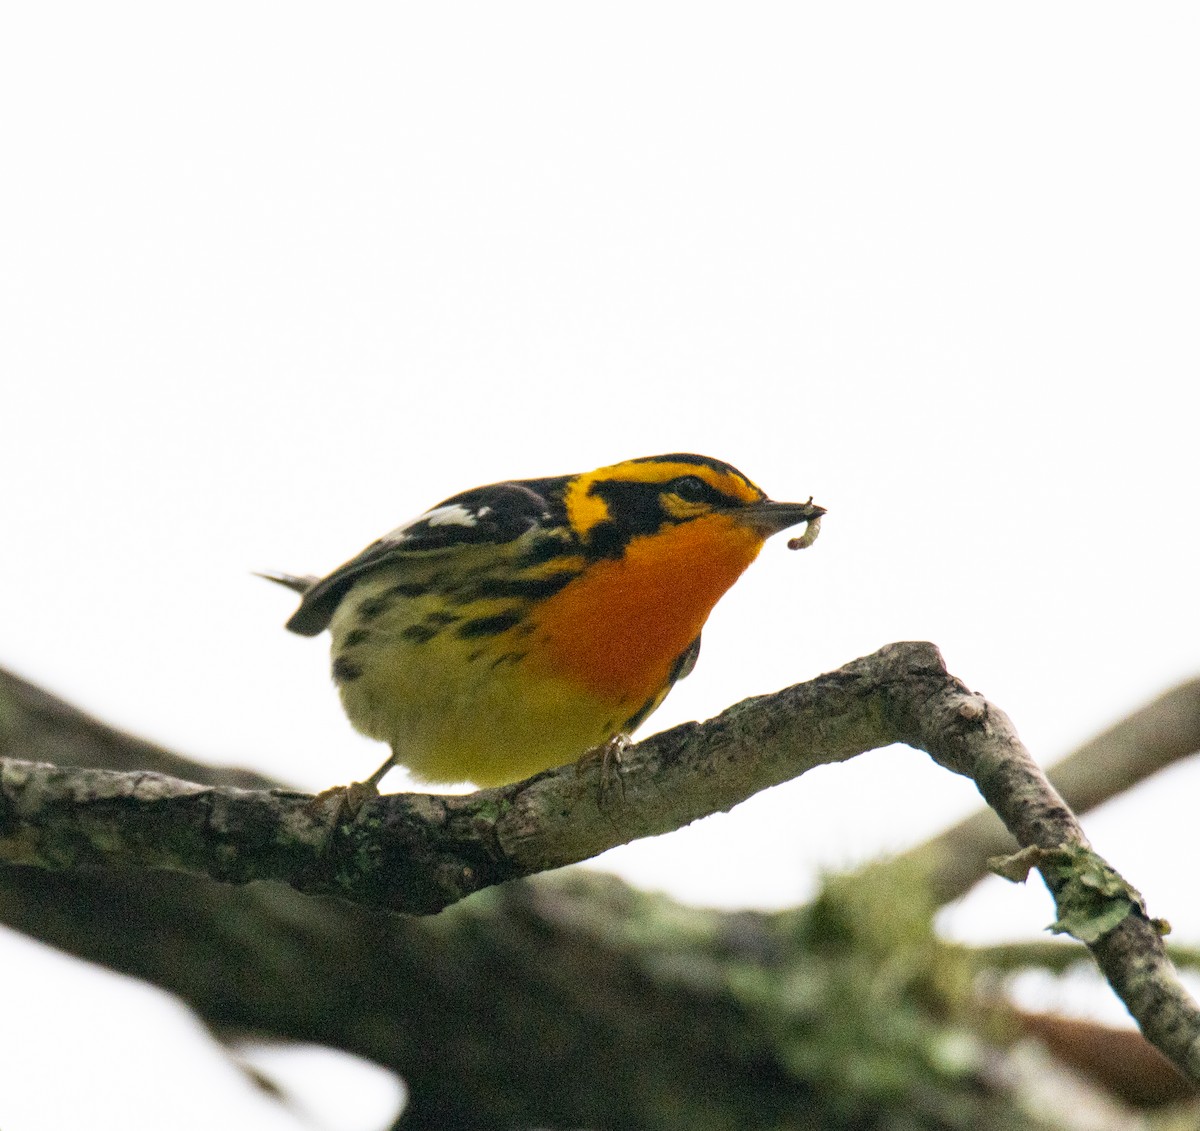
{"x":453,"y":515}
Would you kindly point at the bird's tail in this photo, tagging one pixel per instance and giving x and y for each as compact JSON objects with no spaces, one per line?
{"x":290,"y":580}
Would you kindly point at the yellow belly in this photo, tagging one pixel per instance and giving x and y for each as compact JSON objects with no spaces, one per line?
{"x":466,"y":710}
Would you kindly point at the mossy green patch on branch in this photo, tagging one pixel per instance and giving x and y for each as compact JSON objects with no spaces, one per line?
{"x":1090,"y":895}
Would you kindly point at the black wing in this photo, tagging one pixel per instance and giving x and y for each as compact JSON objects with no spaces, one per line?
{"x":495,"y":514}
{"x":685,"y":662}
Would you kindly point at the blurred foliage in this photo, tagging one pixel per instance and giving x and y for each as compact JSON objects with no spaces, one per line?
{"x":853,"y":999}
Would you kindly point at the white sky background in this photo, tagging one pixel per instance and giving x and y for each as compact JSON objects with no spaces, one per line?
{"x":275,"y":277}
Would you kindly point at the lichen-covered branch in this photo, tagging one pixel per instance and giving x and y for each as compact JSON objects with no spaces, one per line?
{"x":420,"y":853}
{"x":1094,"y":903}
{"x":1158,"y":735}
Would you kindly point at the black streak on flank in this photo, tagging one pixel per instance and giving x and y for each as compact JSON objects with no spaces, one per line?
{"x":375,"y":607}
{"x":489,"y":626}
{"x":345,"y":670}
{"x":407,"y":589}
{"x":356,"y":636}
{"x":439,"y":619}
{"x":531,"y":588}
{"x":684,"y":662}
{"x":643,"y":712}
{"x":543,"y":549}
{"x":420,"y":633}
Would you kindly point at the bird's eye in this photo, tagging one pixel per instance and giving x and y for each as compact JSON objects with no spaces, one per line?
{"x":690,"y":488}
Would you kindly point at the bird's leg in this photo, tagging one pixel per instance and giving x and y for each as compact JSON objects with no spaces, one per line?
{"x":358,"y":792}
{"x":349,"y":799}
{"x":608,"y":754}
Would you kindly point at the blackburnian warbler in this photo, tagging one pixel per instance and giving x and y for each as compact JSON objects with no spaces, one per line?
{"x":515,"y":627}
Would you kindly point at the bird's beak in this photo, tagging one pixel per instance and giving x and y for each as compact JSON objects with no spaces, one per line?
{"x":769,"y":517}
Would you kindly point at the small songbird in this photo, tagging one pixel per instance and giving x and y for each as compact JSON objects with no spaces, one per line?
{"x":518,"y":626}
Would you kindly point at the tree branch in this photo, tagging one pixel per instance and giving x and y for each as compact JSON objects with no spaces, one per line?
{"x":416,"y":852}
{"x":1151,"y":739}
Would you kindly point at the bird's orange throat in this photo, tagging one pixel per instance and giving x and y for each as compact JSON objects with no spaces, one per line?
{"x":618,"y":629}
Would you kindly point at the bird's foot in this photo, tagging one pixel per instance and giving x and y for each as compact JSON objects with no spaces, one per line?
{"x":608,"y":754}
{"x":341,"y":803}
